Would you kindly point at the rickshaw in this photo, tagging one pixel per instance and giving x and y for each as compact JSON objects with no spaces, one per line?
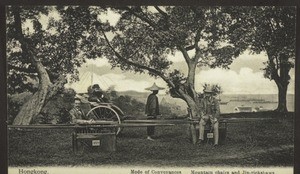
{"x":100,"y":109}
{"x":106,"y":112}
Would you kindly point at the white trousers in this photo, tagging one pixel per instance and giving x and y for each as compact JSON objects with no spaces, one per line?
{"x":215,"y":125}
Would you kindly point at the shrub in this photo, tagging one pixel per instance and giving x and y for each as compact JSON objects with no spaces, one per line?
{"x":56,"y":109}
{"x":15,"y":102}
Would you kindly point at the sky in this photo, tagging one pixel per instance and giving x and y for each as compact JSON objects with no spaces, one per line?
{"x":244,"y":76}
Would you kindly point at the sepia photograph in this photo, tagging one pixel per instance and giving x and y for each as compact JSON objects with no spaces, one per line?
{"x":150,"y":89}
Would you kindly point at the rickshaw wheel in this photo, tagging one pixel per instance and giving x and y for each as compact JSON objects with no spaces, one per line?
{"x":106,"y":113}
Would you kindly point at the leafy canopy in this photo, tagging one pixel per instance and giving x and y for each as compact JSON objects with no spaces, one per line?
{"x":144,"y":37}
{"x":57,"y":44}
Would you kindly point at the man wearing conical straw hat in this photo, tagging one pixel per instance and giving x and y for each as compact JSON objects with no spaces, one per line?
{"x":152,"y":108}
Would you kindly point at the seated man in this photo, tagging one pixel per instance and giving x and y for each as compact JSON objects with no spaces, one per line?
{"x":96,"y":94}
{"x":211,"y":112}
{"x":77,"y":114}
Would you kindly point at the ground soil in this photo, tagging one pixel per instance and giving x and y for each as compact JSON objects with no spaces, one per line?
{"x":251,"y":144}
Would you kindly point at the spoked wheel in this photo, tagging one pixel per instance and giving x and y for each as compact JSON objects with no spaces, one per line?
{"x":106,"y":113}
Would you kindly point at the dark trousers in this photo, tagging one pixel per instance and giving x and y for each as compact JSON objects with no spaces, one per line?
{"x":151,"y":129}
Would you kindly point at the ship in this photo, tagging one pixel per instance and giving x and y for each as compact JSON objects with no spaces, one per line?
{"x":224,"y":103}
{"x":264,"y":101}
{"x":243,"y":109}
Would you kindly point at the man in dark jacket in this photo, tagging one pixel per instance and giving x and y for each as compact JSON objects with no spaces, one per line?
{"x":152,"y":109}
{"x":96,"y":94}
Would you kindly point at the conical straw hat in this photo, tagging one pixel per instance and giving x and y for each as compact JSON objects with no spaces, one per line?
{"x":154,"y":87}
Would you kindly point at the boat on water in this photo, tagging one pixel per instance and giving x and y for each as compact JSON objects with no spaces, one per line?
{"x":244,"y":109}
{"x":260,"y":109}
{"x":249,"y":109}
{"x":264,"y":101}
{"x":238,"y":100}
{"x":224,"y":103}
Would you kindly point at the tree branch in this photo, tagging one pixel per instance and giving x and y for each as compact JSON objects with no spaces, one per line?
{"x":191,"y":64}
{"x":18,"y":24}
{"x":151,"y":23}
{"x":274,"y":73}
{"x":188,"y":48}
{"x":185,"y":54}
{"x":59,"y":84}
{"x":277,"y":62}
{"x":197,"y":48}
{"x":25,"y":70}
{"x":197,"y":39}
{"x":143,"y":18}
{"x":160,"y":11}
{"x":195,"y":45}
{"x":126,"y":61}
{"x":271,"y":26}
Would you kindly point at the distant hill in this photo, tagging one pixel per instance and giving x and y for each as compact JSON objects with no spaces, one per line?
{"x":268,"y":101}
{"x":164,"y":99}
{"x":140,"y":96}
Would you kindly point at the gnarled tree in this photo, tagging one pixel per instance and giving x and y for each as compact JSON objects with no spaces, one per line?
{"x":271,"y":30}
{"x":42,"y":56}
{"x":144,"y":36}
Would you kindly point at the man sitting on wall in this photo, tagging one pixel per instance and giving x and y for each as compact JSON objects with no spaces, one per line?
{"x":77,"y":114}
{"x":211,"y":113}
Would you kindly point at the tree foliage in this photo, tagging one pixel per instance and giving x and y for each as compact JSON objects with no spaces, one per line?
{"x":144,"y":37}
{"x":217,"y":89}
{"x":270,"y":30}
{"x":56,"y":110}
{"x":57,"y":44}
{"x":41,"y":55}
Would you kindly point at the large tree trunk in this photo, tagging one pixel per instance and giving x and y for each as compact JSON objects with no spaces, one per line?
{"x":282,"y":82}
{"x":282,"y":90}
{"x":188,"y":94}
{"x":193,"y":107}
{"x":194,"y":113}
{"x":35,"y":104}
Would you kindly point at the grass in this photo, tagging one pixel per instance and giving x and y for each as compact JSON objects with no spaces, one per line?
{"x":266,"y":143}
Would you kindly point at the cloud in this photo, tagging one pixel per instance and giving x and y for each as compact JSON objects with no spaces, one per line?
{"x":125,"y":83}
{"x":99,"y":62}
{"x":246,"y":81}
{"x":178,"y":57}
{"x":247,"y":55}
{"x":120,"y":82}
{"x":243,"y":82}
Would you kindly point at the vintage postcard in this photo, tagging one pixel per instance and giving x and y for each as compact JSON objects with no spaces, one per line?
{"x":150,"y":89}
